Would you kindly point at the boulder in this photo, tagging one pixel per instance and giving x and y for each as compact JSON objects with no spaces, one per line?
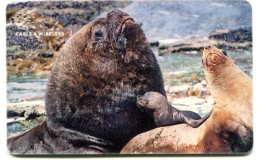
{"x":25,"y":111}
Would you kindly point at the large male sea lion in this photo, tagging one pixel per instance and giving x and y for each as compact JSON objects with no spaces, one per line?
{"x":229,"y":129}
{"x":91,"y":97}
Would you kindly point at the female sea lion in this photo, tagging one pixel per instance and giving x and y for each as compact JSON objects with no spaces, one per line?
{"x":229,"y":129}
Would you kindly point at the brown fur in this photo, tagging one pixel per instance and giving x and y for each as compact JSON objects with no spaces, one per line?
{"x":93,"y":87}
{"x":229,"y":129}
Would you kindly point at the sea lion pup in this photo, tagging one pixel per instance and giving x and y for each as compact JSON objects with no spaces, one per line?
{"x":164,"y":114}
{"x":91,"y":96}
{"x":229,"y":129}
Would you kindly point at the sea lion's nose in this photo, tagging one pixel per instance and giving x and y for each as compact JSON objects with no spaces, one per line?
{"x":207,"y":47}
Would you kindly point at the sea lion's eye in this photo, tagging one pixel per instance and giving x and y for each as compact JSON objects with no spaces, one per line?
{"x":98,"y":34}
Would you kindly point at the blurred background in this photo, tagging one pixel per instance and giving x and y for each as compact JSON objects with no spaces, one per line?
{"x":176,"y":30}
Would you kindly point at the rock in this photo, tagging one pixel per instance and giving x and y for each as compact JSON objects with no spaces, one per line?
{"x":195,"y":76}
{"x":15,"y":119}
{"x":240,"y":35}
{"x":200,"y":105}
{"x":191,"y":44}
{"x":26,"y":110}
{"x":154,"y":44}
{"x":164,"y":52}
{"x":164,"y":140}
{"x":227,"y":39}
{"x":199,"y":89}
{"x":194,"y":93}
{"x":176,"y":89}
{"x":168,"y":74}
{"x":32,"y":113}
{"x":14,"y":112}
{"x":179,"y":76}
{"x":41,"y":72}
{"x":202,"y":86}
{"x":45,"y":55}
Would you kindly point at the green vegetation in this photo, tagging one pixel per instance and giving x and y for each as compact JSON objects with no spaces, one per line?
{"x":25,"y":77}
{"x":25,"y":125}
{"x":12,"y":49}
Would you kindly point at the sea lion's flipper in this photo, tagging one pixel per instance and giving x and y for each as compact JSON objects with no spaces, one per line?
{"x":191,"y":114}
{"x":164,"y":114}
{"x":176,"y":116}
{"x":196,"y":123}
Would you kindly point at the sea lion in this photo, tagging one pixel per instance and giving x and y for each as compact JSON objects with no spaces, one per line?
{"x":92,"y":89}
{"x":164,"y":114}
{"x":229,"y":129}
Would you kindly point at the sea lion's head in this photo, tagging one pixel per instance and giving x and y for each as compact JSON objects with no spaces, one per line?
{"x":221,"y":74}
{"x":156,"y":105}
{"x":152,"y":101}
{"x":215,"y":61}
{"x":116,"y":34}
